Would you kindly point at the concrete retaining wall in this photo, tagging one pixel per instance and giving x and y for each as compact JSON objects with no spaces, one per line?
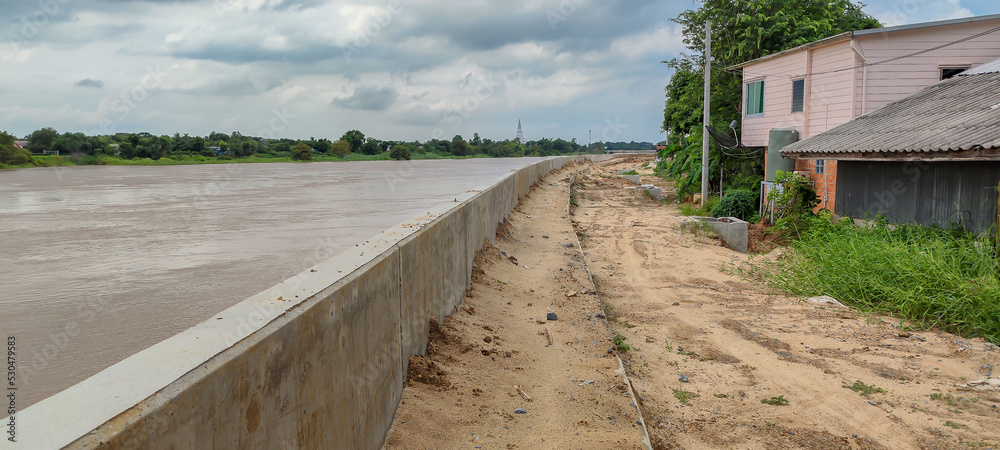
{"x":317,"y":361}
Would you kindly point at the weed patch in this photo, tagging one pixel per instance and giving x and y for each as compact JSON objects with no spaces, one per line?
{"x":775,"y":401}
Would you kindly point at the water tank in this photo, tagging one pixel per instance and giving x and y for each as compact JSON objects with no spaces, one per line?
{"x":778,"y":139}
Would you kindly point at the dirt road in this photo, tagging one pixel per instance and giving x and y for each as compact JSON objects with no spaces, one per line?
{"x":677,"y":298}
{"x":715,"y":361}
{"x":463,"y":394}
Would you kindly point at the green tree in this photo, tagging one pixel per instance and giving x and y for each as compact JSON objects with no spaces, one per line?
{"x":126,"y":150}
{"x":165,"y":145}
{"x":400,"y":152}
{"x":371,"y":147}
{"x":459,"y":147}
{"x":302,"y":151}
{"x":355,"y":139}
{"x":742,"y":30}
{"x":41,"y":140}
{"x":10,"y":154}
{"x":66,"y":144}
{"x":340,"y":148}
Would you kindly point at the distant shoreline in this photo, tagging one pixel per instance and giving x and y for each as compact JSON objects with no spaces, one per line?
{"x":184,"y":160}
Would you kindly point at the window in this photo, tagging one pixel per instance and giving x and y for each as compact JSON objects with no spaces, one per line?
{"x":949,"y":72}
{"x":820,"y":166}
{"x":798,"y":94}
{"x":755,"y":97}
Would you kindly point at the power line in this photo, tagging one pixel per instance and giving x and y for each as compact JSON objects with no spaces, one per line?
{"x":897,"y":58}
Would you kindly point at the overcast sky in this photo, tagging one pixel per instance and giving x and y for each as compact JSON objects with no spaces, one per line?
{"x":395,"y":69}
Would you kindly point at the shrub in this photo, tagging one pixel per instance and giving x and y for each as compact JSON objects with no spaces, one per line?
{"x":340,"y":148}
{"x":794,"y":202}
{"x":738,"y":203}
{"x":302,"y":152}
{"x":400,"y":152}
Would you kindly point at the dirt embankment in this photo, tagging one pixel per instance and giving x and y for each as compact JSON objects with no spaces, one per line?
{"x":716,"y":361}
{"x":499,"y":373}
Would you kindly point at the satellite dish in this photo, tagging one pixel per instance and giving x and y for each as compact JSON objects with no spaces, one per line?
{"x":723,"y":139}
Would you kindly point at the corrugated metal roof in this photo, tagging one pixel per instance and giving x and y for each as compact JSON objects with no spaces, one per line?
{"x":961,"y":113}
{"x":990,"y":67}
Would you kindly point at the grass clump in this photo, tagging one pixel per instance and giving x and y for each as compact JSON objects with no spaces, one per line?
{"x":930,"y":276}
{"x":775,"y":401}
{"x":702,"y":210}
{"x":684,"y":396}
{"x":630,"y":172}
{"x":951,"y":424}
{"x":621,"y":345}
{"x":864,"y":389}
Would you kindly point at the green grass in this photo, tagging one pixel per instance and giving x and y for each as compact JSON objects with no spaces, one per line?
{"x":630,"y":172}
{"x":775,"y":401}
{"x":684,"y":396}
{"x":621,"y":345}
{"x":702,"y":210}
{"x":929,"y":276}
{"x":951,"y":424}
{"x":865,"y":389}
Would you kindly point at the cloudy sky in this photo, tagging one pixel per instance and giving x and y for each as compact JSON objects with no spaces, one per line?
{"x":394,"y":69}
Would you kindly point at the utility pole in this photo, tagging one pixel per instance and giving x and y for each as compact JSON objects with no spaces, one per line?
{"x":589,"y":138}
{"x":704,"y":130}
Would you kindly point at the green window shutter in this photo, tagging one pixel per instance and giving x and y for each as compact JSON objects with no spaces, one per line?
{"x":755,"y":97}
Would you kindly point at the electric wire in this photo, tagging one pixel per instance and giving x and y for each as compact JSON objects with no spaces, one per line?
{"x":860,"y":66}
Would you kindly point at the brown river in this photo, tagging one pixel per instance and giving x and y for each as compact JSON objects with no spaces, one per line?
{"x":100,"y":262}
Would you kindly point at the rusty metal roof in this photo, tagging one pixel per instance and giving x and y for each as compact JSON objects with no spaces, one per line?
{"x":960,"y":114}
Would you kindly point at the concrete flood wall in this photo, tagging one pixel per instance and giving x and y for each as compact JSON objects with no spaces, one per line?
{"x":317,"y":361}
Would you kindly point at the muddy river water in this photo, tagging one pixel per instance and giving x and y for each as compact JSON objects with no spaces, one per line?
{"x":100,"y":262}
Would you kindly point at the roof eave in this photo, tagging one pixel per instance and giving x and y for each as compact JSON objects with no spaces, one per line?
{"x":977,"y":153}
{"x":821,"y":42}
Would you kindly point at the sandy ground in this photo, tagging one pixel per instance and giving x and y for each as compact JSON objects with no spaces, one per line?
{"x":703,"y":346}
{"x":677,"y":298}
{"x":463,"y":395}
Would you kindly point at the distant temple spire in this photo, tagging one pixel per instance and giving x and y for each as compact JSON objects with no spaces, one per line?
{"x":520,"y":135}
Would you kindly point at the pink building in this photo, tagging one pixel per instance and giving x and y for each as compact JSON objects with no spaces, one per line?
{"x":823,"y":84}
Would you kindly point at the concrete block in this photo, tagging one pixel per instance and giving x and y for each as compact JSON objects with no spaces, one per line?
{"x":732,"y":230}
{"x":632,"y":178}
{"x":652,"y":190}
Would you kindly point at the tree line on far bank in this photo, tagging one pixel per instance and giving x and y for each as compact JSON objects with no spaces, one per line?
{"x":86,"y":149}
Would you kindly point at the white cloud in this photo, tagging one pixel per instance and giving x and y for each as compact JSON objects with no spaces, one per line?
{"x":903,"y":12}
